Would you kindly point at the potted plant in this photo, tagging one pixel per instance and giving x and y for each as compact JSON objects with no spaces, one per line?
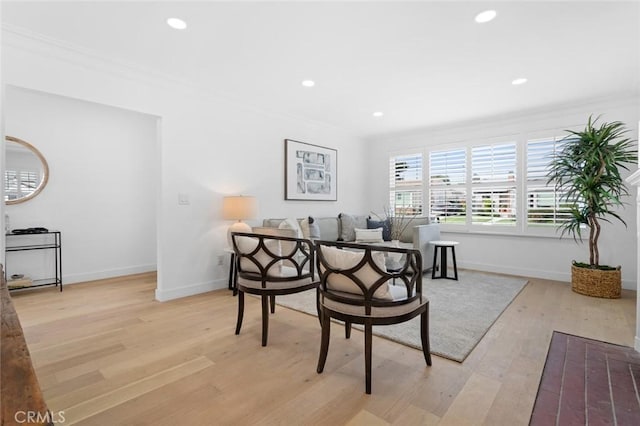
{"x":398,"y":220}
{"x":587,"y":173}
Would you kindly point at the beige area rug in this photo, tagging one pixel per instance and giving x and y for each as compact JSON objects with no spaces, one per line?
{"x":461,"y":312}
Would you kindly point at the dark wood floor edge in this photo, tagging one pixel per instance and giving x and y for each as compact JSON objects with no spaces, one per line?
{"x":20,"y":391}
{"x":546,"y":360}
{"x":554,"y":338}
{"x":592,"y":339}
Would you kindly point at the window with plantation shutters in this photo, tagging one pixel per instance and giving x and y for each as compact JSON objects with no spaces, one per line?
{"x":405,"y":184}
{"x":20,"y":183}
{"x":447,"y":185}
{"x":493,"y":184}
{"x":545,"y":207}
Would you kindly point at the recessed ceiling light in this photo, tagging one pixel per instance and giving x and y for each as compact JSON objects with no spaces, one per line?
{"x":308,"y":83}
{"x":519,"y":81}
{"x":378,"y":114}
{"x":485,"y":16}
{"x":176,"y":23}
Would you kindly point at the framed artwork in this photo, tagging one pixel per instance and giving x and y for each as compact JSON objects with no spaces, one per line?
{"x":310,"y":172}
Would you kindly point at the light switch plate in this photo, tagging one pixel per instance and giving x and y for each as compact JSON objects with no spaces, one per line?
{"x":183,"y":199}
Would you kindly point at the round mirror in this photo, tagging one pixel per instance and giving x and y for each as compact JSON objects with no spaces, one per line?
{"x":26,"y":171}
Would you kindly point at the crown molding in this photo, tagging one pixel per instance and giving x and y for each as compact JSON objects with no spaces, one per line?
{"x":42,"y":45}
{"x":538,"y":113}
{"x":25,"y":39}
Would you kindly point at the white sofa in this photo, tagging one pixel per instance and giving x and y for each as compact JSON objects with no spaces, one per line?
{"x":417,"y":235}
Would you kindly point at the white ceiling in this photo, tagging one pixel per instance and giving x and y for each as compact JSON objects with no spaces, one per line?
{"x":421,"y":63}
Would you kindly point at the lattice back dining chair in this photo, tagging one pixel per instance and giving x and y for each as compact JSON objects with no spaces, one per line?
{"x":355,"y":288}
{"x":269,"y":266}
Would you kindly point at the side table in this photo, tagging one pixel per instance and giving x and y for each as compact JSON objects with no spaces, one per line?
{"x":443,"y":246}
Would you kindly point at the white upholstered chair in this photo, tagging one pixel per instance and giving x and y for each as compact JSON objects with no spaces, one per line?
{"x":268,"y":266}
{"x":355,"y":288}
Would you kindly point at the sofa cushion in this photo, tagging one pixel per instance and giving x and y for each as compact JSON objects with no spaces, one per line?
{"x":407,"y":233}
{"x":329,"y":227}
{"x":369,"y":235}
{"x":384,"y":224}
{"x":310,"y":228}
{"x":348,"y":225}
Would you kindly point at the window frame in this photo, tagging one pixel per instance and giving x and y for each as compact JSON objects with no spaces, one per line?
{"x":417,"y":187}
{"x":521,"y":227}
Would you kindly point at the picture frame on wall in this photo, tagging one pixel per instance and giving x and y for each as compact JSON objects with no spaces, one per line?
{"x":310,"y":172}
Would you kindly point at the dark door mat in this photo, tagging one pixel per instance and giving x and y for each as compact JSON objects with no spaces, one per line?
{"x":588,"y":382}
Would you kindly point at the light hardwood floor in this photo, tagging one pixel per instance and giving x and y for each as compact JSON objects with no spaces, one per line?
{"x":106,"y":353}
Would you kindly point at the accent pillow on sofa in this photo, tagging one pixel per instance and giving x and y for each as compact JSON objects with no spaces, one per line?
{"x":349,"y":223}
{"x":369,"y":235}
{"x":291,"y":223}
{"x":384,"y":224}
{"x":310,"y":228}
{"x":346,"y":259}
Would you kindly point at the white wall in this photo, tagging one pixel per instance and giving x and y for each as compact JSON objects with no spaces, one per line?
{"x":102,"y":186}
{"x":530,"y":256}
{"x":209,"y":147}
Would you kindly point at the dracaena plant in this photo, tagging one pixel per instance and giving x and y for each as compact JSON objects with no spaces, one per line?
{"x":587,"y":173}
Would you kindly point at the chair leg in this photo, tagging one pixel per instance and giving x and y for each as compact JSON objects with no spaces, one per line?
{"x":455,"y":265}
{"x":434,"y":266}
{"x":424,"y":334}
{"x":240,"y":311}
{"x":318,"y":308}
{"x":347,"y":330}
{"x":272,"y":299}
{"x":265,"y":319}
{"x":324,"y":342}
{"x":368,"y":331}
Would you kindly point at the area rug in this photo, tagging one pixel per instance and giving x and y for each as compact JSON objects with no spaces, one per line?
{"x":461,"y":312}
{"x":588,"y":382}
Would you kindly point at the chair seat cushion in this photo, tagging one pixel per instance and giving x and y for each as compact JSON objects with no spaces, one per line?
{"x":376,"y":312}
{"x":286,"y":272}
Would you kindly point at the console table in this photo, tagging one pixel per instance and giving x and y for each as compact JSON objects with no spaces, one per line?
{"x":50,"y":240}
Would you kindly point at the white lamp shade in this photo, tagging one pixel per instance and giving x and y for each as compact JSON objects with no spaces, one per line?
{"x":239,"y":207}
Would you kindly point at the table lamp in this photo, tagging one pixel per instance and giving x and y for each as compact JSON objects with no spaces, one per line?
{"x":238,"y":207}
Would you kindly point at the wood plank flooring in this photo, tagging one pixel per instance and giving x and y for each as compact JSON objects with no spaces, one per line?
{"x":106,"y":353}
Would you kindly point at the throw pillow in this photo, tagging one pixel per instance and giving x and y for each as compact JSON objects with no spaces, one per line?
{"x":384,"y":224}
{"x":348,"y":225}
{"x":310,"y":229}
{"x":291,"y":223}
{"x":346,"y":259}
{"x":290,"y":247}
{"x":369,"y":235}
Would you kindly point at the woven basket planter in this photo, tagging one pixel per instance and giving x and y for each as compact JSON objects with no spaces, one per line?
{"x":596,"y":282}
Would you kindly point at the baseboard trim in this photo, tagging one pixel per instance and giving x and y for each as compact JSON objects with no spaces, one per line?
{"x":190,"y":290}
{"x":110,"y":273}
{"x":533,"y":273}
